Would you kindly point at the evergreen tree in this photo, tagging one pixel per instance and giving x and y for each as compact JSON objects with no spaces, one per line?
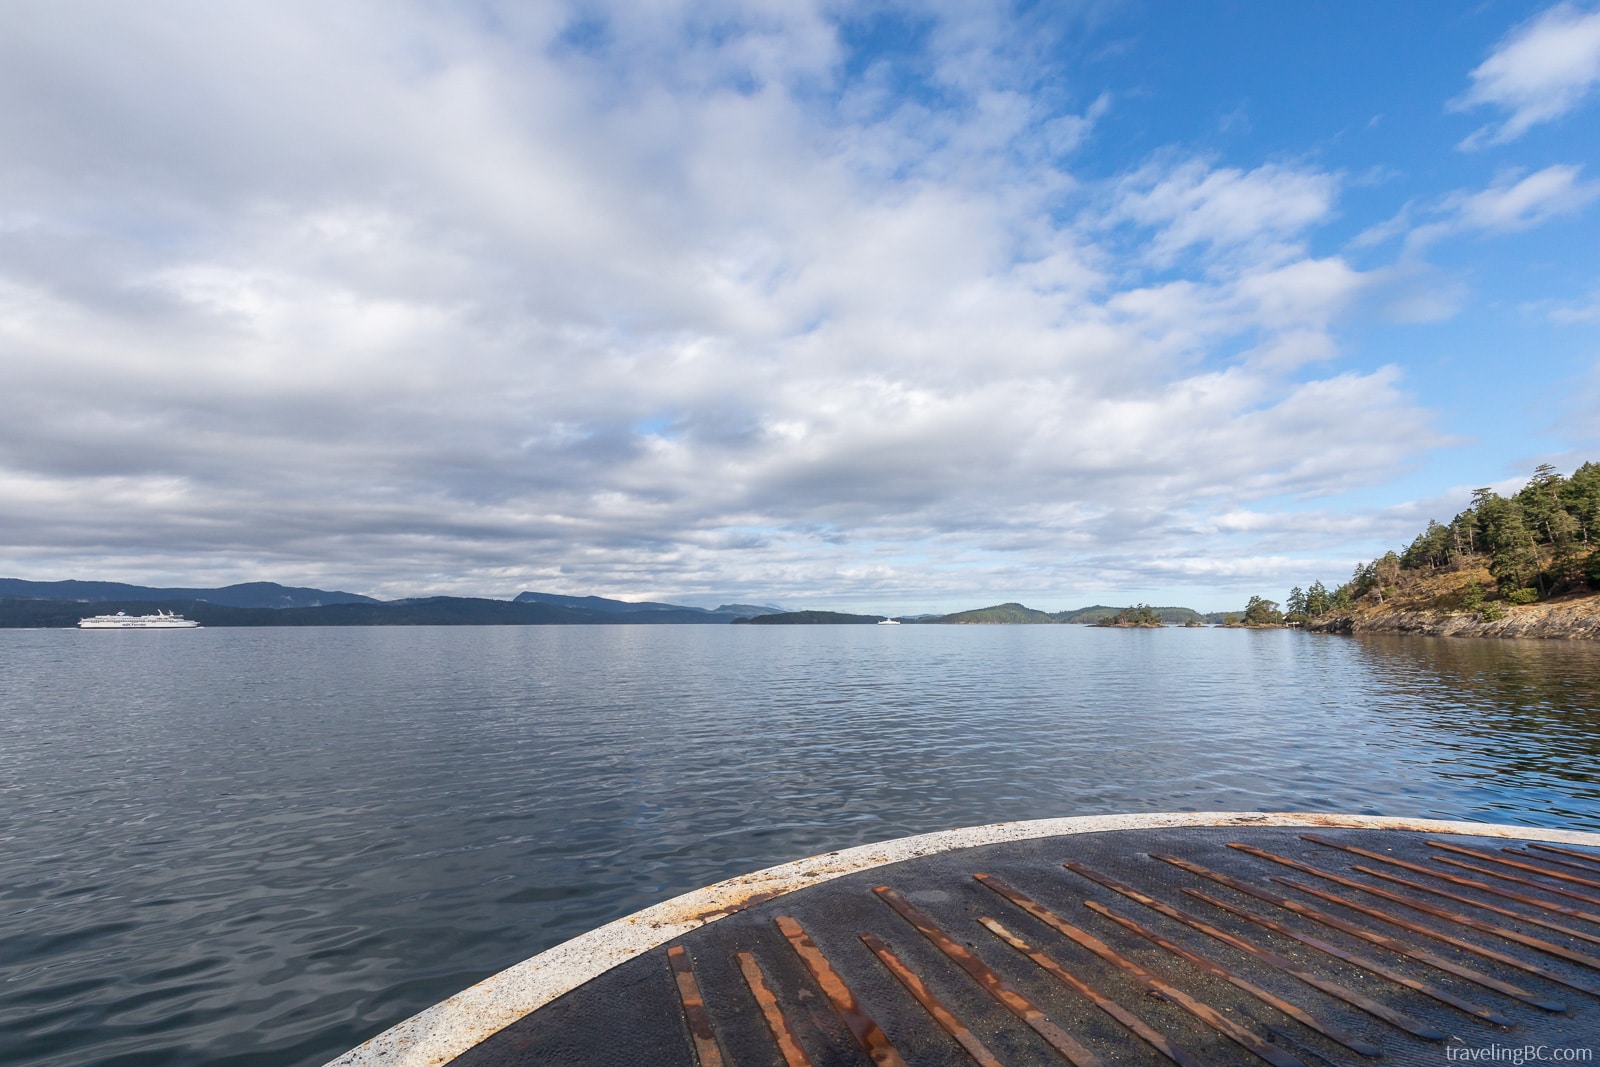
{"x":1566,"y":560}
{"x":1515,"y":563}
{"x":1261,"y":612}
{"x":1580,"y":497}
{"x":1318,"y":600}
{"x":1540,"y":502}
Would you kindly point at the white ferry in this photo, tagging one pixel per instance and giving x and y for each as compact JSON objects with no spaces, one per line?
{"x":161,"y":620}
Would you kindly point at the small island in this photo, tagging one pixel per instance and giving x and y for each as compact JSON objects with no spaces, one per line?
{"x":809,"y":618}
{"x":1140,"y":616}
{"x":1000,"y":614}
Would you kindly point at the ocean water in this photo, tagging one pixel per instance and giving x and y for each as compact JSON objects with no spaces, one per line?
{"x":240,"y":846}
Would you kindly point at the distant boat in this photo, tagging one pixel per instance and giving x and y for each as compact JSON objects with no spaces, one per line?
{"x":161,"y":620}
{"x":888,"y":622}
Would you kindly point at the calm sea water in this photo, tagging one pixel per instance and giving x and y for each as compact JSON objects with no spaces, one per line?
{"x":264,"y":846}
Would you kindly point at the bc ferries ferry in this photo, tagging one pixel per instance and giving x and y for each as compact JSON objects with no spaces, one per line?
{"x":161,"y":620}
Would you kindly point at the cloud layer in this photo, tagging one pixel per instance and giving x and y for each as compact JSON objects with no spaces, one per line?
{"x":1539,"y":72}
{"x":661,"y":301}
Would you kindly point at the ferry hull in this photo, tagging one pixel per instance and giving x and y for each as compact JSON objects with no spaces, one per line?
{"x":137,"y":622}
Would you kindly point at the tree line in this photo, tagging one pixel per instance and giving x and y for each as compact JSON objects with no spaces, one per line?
{"x":1542,"y":541}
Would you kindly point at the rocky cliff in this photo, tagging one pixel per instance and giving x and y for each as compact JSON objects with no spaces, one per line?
{"x":1569,"y":617}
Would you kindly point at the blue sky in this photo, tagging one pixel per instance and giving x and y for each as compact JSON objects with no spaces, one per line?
{"x":882,"y":306}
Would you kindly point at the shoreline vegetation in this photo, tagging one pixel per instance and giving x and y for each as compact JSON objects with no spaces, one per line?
{"x":1527,"y":565}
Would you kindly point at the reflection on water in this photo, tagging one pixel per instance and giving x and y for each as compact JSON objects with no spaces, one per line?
{"x":1518,"y":719}
{"x":263,"y":846}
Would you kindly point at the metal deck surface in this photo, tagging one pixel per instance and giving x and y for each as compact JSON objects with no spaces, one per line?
{"x":1196,"y":946}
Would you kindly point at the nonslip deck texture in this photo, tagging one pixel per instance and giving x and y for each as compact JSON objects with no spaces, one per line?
{"x":1177,"y":946}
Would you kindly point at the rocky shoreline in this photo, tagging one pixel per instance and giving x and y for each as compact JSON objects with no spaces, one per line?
{"x":1567,"y":618}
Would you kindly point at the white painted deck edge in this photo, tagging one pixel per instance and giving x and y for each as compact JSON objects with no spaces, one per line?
{"x":438,"y":1034}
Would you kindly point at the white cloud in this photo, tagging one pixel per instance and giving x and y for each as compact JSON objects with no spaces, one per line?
{"x":408,"y":305}
{"x":1540,"y":71}
{"x":1193,"y":204}
{"x":1586,"y":310}
{"x":1512,"y":204}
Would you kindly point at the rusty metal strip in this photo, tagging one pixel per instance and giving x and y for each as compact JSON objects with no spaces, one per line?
{"x":1565,"y":931}
{"x":1270,"y":958}
{"x":1551,"y":859}
{"x":1429,"y":872}
{"x":1204,"y":1012}
{"x":788,"y":1046}
{"x":1395,"y":945}
{"x":1427,"y":909}
{"x":1560,"y":863}
{"x":934,"y":1007}
{"x":1157,"y":1041}
{"x":1560,"y":909}
{"x":868,"y":1034}
{"x":1456,"y":917}
{"x":1365,"y":963}
{"x":1588,"y":856}
{"x":1529,"y":966}
{"x":1272,"y":1000}
{"x":993,"y":984}
{"x":1470,"y":883}
{"x":706,"y":1050}
{"x":1530,"y":868}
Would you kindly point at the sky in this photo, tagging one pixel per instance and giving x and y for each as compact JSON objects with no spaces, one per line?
{"x":877,"y":306}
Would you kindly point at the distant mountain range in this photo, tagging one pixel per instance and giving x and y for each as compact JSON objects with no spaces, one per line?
{"x":1013,"y":614}
{"x":245,"y":595}
{"x":53,"y":604}
{"x":811,"y":618}
{"x":629,"y":607}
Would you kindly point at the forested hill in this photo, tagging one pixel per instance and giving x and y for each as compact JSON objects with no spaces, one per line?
{"x":1497,"y":554}
{"x":1012,"y":614}
{"x":810,"y":618}
{"x":243,"y":595}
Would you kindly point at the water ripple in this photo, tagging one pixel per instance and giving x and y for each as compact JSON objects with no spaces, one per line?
{"x":263,"y":846}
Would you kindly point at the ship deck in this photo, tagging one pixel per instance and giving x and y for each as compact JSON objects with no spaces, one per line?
{"x":1196,"y":940}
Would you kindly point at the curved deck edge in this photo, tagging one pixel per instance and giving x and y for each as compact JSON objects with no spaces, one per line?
{"x":438,"y":1034}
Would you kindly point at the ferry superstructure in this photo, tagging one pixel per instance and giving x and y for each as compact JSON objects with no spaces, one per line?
{"x":161,"y":620}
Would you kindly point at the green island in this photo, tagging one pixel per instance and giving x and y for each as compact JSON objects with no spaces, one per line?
{"x":1140,"y":616}
{"x":809,"y":618}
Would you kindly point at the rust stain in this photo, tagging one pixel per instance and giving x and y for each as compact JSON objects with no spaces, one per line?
{"x":1136,"y":1025}
{"x":1426,"y":909}
{"x":992,"y":983}
{"x":868,"y":1034}
{"x":1213,"y":1018}
{"x":1589,"y":857}
{"x":1271,"y":959}
{"x":788,"y":1045}
{"x":706,"y":1050}
{"x":1211,"y":967}
{"x":932,"y":1004}
{"x":1520,"y":898}
{"x":1530,"y":868}
{"x":1441,"y":995}
{"x":1394,"y":945}
{"x":1566,"y":931}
